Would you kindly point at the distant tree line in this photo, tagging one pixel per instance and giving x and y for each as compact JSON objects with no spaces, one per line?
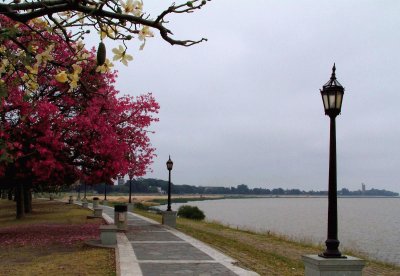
{"x":372,"y":192}
{"x":149,"y":185}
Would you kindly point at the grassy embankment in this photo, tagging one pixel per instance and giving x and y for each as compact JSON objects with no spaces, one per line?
{"x":50,"y":241}
{"x":265,"y":253}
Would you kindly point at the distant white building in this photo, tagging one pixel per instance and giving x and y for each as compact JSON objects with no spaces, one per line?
{"x":121,"y":181}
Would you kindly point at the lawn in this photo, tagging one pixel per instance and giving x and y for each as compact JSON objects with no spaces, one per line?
{"x":50,"y":241}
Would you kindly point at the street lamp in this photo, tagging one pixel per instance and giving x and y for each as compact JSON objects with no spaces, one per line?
{"x":169,"y":167}
{"x":332,"y":97}
{"x":130,"y":188}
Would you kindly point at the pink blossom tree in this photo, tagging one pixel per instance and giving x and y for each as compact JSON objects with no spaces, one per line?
{"x":60,"y":117}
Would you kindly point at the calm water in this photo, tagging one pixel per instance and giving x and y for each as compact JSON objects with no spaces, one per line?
{"x":369,"y":225}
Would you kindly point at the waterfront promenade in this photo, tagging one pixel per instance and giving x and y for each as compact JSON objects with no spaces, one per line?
{"x":150,"y":249}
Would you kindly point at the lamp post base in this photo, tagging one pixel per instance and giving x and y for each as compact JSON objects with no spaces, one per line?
{"x":332,"y":249}
{"x":318,"y":266}
{"x":169,"y":218}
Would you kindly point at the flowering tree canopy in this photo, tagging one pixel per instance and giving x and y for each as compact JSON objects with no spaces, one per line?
{"x":60,"y":117}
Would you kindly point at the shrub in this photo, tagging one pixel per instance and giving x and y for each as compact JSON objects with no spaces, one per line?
{"x":191,"y":212}
{"x":141,"y":206}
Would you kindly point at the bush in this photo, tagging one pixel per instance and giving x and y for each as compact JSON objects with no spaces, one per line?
{"x":191,"y":212}
{"x":141,"y":206}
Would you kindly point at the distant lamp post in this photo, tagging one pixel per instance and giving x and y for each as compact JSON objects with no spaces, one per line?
{"x":169,"y":167}
{"x":332,"y":97}
{"x":130,"y":188}
{"x":105,"y":191}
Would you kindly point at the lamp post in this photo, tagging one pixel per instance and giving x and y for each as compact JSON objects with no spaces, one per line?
{"x":331,"y":261}
{"x":130,"y":188}
{"x":169,"y":167}
{"x":332,"y":97}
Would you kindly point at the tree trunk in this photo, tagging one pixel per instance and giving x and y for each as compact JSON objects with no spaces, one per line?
{"x":19,"y":197}
{"x":27,"y":199}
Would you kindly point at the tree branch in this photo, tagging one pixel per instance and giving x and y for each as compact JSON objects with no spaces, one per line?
{"x":107,"y":11}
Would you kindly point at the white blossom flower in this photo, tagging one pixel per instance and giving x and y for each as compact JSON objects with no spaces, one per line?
{"x":128,"y":6}
{"x":107,"y":32}
{"x":145,"y":32}
{"x":121,"y":55}
{"x":105,"y":67}
{"x":133,"y":7}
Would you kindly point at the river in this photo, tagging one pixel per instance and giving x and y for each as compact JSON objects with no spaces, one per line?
{"x":368,"y":225}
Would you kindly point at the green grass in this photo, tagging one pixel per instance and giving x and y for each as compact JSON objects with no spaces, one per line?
{"x":43,"y":211}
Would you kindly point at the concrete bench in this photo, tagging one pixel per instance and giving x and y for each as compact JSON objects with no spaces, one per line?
{"x":108,"y":234}
{"x":98,"y":212}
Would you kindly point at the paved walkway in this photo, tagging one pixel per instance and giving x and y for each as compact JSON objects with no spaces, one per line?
{"x":151,"y":249}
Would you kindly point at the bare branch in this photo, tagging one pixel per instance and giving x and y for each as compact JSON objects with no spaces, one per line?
{"x":104,"y":12}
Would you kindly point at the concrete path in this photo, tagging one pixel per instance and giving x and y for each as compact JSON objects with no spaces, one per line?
{"x":151,"y":249}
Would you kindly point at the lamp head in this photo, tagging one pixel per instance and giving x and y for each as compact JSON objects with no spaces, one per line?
{"x":169,"y":164}
{"x":332,"y":95}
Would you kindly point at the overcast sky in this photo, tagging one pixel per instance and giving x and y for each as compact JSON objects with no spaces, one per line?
{"x":245,"y":106}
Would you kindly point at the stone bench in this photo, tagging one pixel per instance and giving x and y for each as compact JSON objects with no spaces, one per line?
{"x":108,"y":234}
{"x":98,"y":212}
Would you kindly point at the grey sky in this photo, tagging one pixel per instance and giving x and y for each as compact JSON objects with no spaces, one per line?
{"x":245,"y":107}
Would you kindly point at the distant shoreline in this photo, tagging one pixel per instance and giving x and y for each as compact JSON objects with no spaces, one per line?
{"x":162,"y":200}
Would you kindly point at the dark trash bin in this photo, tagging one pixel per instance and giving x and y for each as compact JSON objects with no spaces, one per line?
{"x":121,"y":217}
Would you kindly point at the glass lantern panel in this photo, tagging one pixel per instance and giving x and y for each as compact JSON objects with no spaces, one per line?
{"x":332,"y":101}
{"x":339,"y":98}
{"x":325,"y":100}
{"x":169,"y":165}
